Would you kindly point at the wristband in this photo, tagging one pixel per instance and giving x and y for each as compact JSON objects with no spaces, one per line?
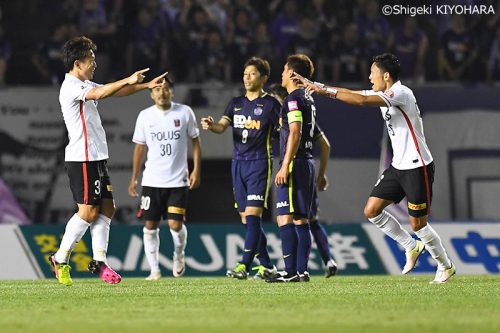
{"x":331,"y":92}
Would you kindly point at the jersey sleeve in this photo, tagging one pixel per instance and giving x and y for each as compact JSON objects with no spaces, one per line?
{"x":89,"y":86}
{"x":229,"y":112}
{"x":192,"y":127}
{"x":139,"y":133}
{"x":75,"y":92}
{"x":393,"y":97}
{"x":293,"y":110}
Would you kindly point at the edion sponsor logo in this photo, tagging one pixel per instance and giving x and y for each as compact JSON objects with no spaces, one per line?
{"x":240,"y":121}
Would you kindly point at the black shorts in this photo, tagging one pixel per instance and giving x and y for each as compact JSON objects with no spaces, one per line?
{"x":89,"y":182}
{"x":414,"y":184}
{"x":158,"y":203}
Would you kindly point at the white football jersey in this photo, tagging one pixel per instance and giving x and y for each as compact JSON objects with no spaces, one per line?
{"x":405,"y":128}
{"x":87,"y":139}
{"x":166,"y":134}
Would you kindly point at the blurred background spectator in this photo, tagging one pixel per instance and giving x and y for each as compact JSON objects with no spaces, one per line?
{"x":458,"y":51}
{"x":5,"y":53}
{"x":199,"y":40}
{"x":410,"y":45}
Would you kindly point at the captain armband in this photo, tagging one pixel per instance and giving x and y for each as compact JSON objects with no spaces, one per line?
{"x":294,"y":116}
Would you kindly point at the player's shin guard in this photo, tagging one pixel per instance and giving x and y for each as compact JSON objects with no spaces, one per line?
{"x":392,"y":228}
{"x":303,"y":247}
{"x":151,"y":240}
{"x":251,"y":239}
{"x":75,"y":229}
{"x":289,"y":242}
{"x":321,"y":239}
{"x":262,"y":253}
{"x":434,"y":245}
{"x":99,"y":231}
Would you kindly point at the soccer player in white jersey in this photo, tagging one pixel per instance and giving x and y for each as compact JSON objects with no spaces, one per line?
{"x":86,"y":155}
{"x":165,"y":129}
{"x":411,"y":173}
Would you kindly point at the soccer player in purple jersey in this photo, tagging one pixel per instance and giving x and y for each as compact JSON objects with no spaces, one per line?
{"x":295,"y":178}
{"x":253,"y":116}
{"x":317,"y":230}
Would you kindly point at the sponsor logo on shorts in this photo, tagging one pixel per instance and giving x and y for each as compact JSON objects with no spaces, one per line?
{"x":282,"y":204}
{"x":176,"y":210}
{"x":109,"y":188}
{"x":413,"y":206}
{"x":255,"y":197}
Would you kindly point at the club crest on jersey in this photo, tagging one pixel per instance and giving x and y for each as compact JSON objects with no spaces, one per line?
{"x":177,"y":122}
{"x":257,"y":111}
{"x":240,"y":121}
{"x":389,"y":93}
{"x":292,"y":105}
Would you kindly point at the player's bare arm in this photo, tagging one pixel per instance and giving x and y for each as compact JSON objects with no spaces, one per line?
{"x":137,"y":158}
{"x":126,"y":86}
{"x":351,"y":97}
{"x":292,"y":146}
{"x":111,"y":88}
{"x":209,"y":124}
{"x":195,"y":176}
{"x":133,"y":88}
{"x":324,"y":157}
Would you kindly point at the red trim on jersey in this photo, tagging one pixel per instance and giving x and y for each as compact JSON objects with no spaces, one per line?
{"x":426,"y":176}
{"x":82,"y":117}
{"x":85,"y":184}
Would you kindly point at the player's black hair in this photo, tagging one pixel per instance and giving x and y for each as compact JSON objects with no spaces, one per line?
{"x":277,"y":90}
{"x":302,"y":64}
{"x":170,"y":82}
{"x":262,"y":65}
{"x":388,"y":62}
{"x":77,"y":48}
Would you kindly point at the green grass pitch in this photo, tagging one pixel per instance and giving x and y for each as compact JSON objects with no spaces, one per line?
{"x":341,"y":304}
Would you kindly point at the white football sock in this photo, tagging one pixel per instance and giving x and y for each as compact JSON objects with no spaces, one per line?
{"x":151,"y":240}
{"x":434,"y":245}
{"x":99,"y":230}
{"x":180,"y":240}
{"x":392,"y":228}
{"x":75,"y":229}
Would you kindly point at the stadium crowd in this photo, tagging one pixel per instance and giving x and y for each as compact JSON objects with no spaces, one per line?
{"x":209,"y":40}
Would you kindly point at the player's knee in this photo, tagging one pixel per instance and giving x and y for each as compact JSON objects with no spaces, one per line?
{"x":108,"y":208}
{"x":109,"y":211}
{"x":371,"y":211}
{"x":175,"y":225}
{"x":89,"y":214}
{"x":418,"y":223}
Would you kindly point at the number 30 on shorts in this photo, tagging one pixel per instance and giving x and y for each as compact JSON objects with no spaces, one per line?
{"x":145,"y":202}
